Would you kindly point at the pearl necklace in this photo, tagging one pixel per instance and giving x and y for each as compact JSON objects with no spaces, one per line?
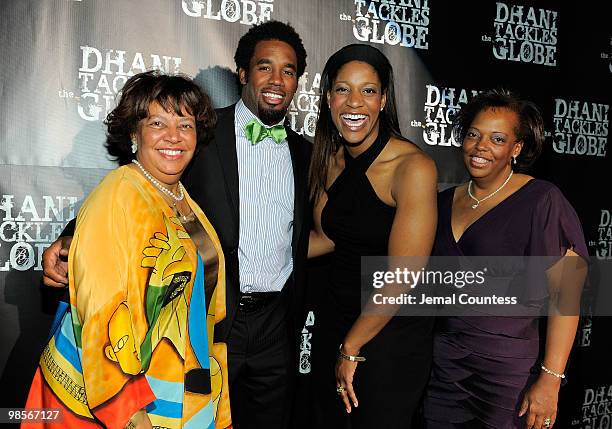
{"x":159,"y":186}
{"x":478,"y":201}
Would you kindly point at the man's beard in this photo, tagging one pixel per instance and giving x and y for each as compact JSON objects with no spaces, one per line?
{"x":271,"y":116}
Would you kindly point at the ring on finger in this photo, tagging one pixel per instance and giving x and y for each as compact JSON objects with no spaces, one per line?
{"x":546,"y":422}
{"x":340,"y":389}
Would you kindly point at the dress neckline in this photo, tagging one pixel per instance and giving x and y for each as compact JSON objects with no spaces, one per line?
{"x":485,"y":215}
{"x":367,"y":157}
{"x":359,"y":165}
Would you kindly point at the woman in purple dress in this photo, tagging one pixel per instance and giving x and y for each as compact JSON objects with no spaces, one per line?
{"x":489,"y":371}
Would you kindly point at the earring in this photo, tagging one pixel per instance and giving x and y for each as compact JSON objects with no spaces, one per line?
{"x":134,"y":146}
{"x":514,"y":160}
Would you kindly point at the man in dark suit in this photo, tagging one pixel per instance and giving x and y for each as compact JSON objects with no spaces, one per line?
{"x":251,"y":181}
{"x":255,"y":195}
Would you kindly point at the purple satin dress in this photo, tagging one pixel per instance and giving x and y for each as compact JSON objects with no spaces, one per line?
{"x":482,"y":365}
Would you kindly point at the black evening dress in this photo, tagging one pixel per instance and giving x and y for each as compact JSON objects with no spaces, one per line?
{"x":390,"y":383}
{"x":482,"y":366}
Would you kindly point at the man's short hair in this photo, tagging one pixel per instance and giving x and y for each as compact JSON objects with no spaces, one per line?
{"x":270,"y":30}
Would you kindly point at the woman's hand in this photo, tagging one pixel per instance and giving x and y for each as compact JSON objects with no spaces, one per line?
{"x":140,"y":420}
{"x":540,"y":402}
{"x":345,"y":372}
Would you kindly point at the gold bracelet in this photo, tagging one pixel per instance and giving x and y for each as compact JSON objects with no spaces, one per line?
{"x":350,"y":357}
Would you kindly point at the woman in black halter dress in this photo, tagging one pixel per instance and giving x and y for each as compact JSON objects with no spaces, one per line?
{"x":375,"y":194}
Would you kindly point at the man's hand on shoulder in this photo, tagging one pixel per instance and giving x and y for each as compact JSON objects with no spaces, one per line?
{"x":55,"y":262}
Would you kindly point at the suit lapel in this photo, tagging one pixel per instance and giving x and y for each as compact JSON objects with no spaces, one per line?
{"x":299,"y":186}
{"x":225,"y":141}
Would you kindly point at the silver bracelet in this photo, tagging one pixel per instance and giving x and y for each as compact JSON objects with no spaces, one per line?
{"x":350,"y":358}
{"x":548,"y":371}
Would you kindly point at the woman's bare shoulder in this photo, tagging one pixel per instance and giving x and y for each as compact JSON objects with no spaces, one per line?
{"x":409,"y":159}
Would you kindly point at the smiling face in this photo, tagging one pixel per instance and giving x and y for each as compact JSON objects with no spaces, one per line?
{"x":491,"y":142}
{"x":166,"y":143}
{"x":355,"y":101}
{"x":271,"y":81}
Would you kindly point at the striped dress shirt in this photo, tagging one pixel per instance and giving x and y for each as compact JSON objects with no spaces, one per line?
{"x":266,"y":191}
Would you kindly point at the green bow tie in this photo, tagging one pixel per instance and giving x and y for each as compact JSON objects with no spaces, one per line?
{"x":256,"y":132}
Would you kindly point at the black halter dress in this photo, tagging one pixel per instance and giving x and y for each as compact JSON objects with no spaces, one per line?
{"x":390,"y":383}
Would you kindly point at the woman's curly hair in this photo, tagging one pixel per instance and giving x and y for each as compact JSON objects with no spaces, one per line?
{"x":175,"y":93}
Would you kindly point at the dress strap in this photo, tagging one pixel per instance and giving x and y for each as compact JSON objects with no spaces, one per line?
{"x":354,"y":168}
{"x":364,"y":160}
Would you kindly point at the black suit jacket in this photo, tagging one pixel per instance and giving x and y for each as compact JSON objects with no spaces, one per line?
{"x":212,"y":181}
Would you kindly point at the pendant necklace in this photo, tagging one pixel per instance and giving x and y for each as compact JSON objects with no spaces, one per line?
{"x":478,"y":201}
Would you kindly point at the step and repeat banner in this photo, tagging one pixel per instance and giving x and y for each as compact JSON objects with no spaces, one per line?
{"x":64,"y":61}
